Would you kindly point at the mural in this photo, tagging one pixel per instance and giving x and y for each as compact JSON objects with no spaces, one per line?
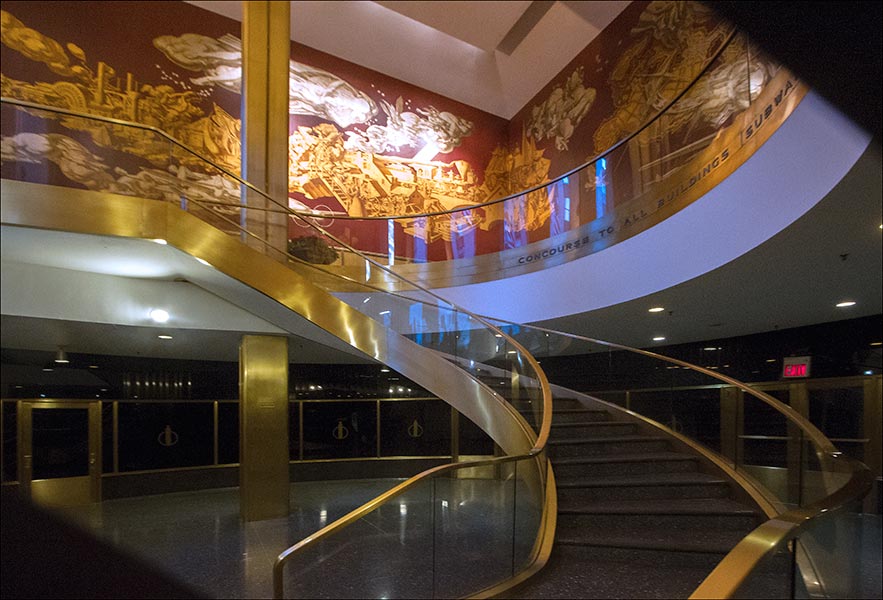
{"x":361,"y":143}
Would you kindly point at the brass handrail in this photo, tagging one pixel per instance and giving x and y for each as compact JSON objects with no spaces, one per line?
{"x":724,"y":581}
{"x":344,"y":216}
{"x":545,"y":427}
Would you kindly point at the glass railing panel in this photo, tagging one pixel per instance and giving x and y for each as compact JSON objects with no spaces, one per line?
{"x":388,"y":553}
{"x":769,"y":448}
{"x":775,"y":577}
{"x":474,"y":529}
{"x":46,"y":147}
{"x":829,"y":555}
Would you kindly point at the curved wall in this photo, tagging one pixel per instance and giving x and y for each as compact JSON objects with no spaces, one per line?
{"x":808,"y":155}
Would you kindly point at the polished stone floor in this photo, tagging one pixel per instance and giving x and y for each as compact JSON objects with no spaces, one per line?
{"x":438,"y":540}
{"x":442,"y":540}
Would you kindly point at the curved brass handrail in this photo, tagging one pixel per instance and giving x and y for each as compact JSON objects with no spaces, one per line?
{"x":735,"y":569}
{"x":344,"y":216}
{"x":543,"y":546}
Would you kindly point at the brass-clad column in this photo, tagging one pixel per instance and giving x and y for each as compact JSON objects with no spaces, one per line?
{"x":263,"y":427}
{"x":873,"y":431}
{"x":265,"y":57}
{"x":730,"y":400}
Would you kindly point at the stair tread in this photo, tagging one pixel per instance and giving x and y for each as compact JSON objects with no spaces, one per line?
{"x":651,"y":542}
{"x":673,"y":506}
{"x":609,"y":439}
{"x":592,"y":424}
{"x":674,"y":479}
{"x":623,"y":458}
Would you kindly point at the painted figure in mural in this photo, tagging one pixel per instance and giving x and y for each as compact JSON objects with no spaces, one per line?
{"x":558,"y":116}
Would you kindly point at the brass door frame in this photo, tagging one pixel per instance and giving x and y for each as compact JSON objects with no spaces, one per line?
{"x":63,"y":490}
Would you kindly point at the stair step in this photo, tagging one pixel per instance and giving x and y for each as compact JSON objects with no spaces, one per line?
{"x":595,"y":446}
{"x":658,"y":486}
{"x":650,"y":462}
{"x":584,"y":429}
{"x":718,"y":545}
{"x":598,"y":572}
{"x":635,"y":518}
{"x":578,"y":415}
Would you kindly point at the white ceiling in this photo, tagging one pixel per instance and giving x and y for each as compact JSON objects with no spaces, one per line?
{"x":450,"y":48}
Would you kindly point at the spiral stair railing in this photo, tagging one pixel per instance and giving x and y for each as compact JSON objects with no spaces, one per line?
{"x":812,"y":524}
{"x":380,"y":277}
{"x":527,"y":482}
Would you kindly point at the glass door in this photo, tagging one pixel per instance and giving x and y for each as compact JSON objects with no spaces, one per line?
{"x":59,"y":452}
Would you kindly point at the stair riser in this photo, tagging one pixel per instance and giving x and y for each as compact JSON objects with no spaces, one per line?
{"x":606,"y":448}
{"x":615,"y":429}
{"x":654,"y":492}
{"x":563,"y":472}
{"x":567,"y":403}
{"x":637,"y":558}
{"x":578,"y":417}
{"x":570,"y":525}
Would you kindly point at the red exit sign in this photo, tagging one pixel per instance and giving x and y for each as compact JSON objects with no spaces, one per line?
{"x":796,"y":366}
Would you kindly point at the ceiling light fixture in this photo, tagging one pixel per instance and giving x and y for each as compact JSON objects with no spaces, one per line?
{"x":159,"y":315}
{"x":61,"y":356}
{"x":656,"y":309}
{"x":710,"y":348}
{"x":845,"y":304}
{"x":164,"y":337}
{"x":659,"y":338}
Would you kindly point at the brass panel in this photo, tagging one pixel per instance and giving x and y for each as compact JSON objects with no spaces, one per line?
{"x":872,"y":418}
{"x":67,"y":491}
{"x":265,"y":74}
{"x":263,"y":423}
{"x":730,"y":400}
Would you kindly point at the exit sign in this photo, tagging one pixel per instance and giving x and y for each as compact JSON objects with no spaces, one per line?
{"x":796,"y":366}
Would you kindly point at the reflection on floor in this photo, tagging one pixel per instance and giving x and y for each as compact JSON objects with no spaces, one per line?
{"x":198,"y":538}
{"x":442,"y":538}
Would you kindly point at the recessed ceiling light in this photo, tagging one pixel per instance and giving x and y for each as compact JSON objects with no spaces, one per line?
{"x":159,"y":315}
{"x":771,"y":360}
{"x":658,"y":338}
{"x":846,"y":303}
{"x":877,"y":343}
{"x":656,"y":309}
{"x":159,"y":241}
{"x":512,"y":352}
{"x":384,"y":370}
{"x":93,"y":366}
{"x":164,"y":337}
{"x":710,"y":348}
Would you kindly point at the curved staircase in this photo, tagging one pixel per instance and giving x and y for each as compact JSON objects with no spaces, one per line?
{"x":636,"y":518}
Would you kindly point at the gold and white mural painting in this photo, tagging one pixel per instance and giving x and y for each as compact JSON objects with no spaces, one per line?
{"x":353,"y":150}
{"x":374,"y":157}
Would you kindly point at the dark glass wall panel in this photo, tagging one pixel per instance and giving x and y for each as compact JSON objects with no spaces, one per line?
{"x":60,"y":442}
{"x":473,"y":440}
{"x":10,"y":441}
{"x":340,"y":429}
{"x":165,"y":435}
{"x":415,"y":428}
{"x":837,"y":412}
{"x":228,"y":432}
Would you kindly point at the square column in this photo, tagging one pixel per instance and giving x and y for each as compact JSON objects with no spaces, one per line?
{"x":263,"y":427}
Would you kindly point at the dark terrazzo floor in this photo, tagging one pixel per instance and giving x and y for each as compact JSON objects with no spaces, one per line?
{"x":199,"y":538}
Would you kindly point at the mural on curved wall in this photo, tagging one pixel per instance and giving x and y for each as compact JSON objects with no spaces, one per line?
{"x":360,"y":142}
